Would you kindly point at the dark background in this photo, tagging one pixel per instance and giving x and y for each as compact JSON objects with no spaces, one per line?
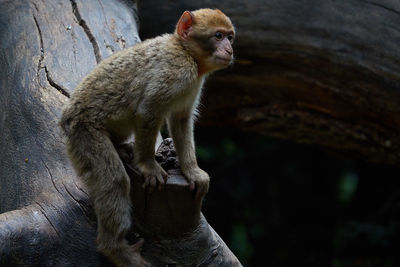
{"x":279,"y":203}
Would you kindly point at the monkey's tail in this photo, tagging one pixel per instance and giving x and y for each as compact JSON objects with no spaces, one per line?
{"x":97,"y":162}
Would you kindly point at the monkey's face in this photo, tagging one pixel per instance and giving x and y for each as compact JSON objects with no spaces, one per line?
{"x":221,"y":43}
{"x":208,"y":35}
{"x":212,"y":48}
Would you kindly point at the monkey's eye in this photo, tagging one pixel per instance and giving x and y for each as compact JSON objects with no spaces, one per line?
{"x":219,"y":35}
{"x":230,"y":38}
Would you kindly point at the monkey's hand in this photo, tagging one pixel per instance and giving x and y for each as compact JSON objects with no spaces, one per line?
{"x":153,"y":174}
{"x":198,"y":179}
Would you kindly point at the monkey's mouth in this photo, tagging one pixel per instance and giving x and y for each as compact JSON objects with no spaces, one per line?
{"x":224,"y":60}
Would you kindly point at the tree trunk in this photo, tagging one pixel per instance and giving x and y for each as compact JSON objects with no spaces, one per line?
{"x":46,"y":217}
{"x":319,"y":72}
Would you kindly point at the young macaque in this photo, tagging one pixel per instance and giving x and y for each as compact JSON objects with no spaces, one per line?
{"x":133,"y":92}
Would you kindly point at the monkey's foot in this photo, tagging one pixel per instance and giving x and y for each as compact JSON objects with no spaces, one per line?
{"x":127,"y":255}
{"x":153,"y":174}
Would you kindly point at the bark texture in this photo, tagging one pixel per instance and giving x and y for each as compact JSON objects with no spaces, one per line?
{"x":319,"y":72}
{"x":46,"y":217}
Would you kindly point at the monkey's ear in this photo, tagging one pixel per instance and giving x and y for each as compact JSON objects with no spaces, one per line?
{"x":184,"y":24}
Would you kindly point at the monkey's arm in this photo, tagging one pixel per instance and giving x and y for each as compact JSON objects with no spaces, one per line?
{"x":181,"y":129}
{"x":146,"y":134}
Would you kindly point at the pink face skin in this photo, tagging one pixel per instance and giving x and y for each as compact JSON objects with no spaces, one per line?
{"x":223,"y":52}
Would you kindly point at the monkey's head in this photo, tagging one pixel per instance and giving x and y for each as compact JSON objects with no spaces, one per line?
{"x":208,"y":35}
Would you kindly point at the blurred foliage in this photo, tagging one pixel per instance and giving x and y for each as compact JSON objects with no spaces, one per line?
{"x":278,"y":203}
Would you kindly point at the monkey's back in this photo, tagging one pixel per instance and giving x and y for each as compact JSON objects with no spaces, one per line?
{"x":157,"y":70}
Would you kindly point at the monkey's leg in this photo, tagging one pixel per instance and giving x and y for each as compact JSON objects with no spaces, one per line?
{"x":97,"y":162}
{"x":181,"y":129}
{"x":145,"y":138}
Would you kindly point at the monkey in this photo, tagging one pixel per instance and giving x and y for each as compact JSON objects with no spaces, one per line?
{"x":135,"y":91}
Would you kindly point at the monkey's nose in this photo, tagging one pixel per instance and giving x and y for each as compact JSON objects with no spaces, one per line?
{"x":228,"y":51}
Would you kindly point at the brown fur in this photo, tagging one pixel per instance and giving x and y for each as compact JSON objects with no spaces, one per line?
{"x":134,"y":91}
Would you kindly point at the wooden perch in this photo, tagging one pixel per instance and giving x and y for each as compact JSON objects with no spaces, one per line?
{"x":46,"y":216}
{"x":175,"y":231}
{"x":53,"y":232}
